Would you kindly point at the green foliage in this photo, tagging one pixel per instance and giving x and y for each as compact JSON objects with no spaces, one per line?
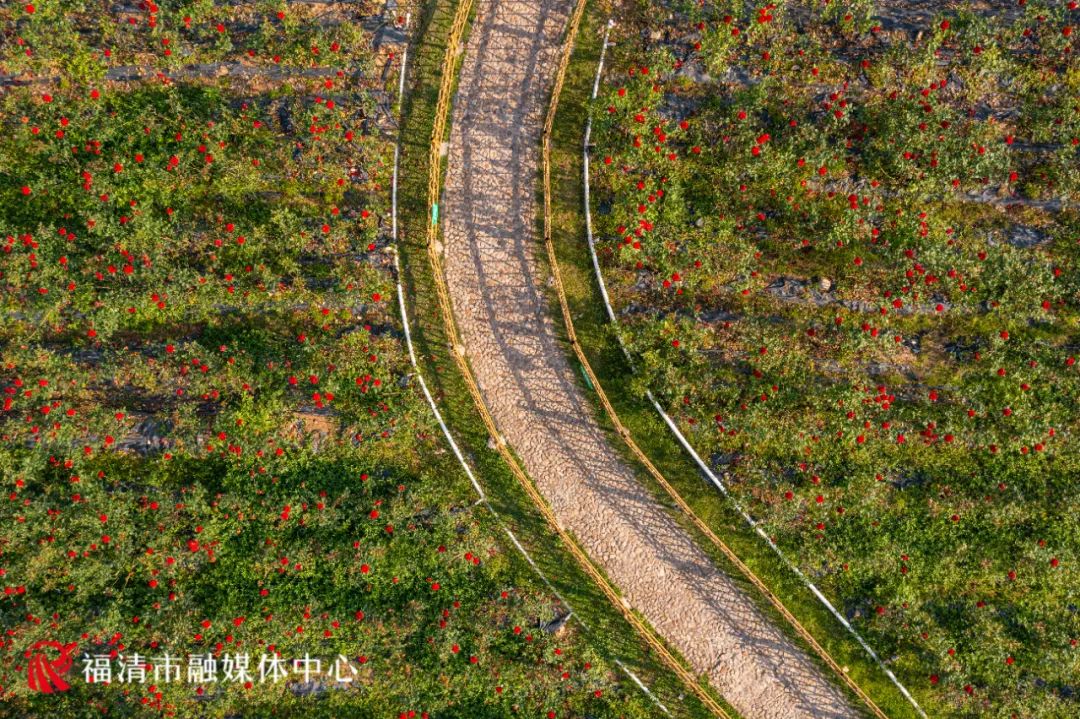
{"x":845,"y":259}
{"x":211,"y":441}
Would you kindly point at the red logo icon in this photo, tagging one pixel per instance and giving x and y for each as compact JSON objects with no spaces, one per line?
{"x":45,"y":675}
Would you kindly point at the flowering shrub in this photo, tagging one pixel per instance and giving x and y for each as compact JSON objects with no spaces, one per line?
{"x":209,"y":441}
{"x":842,"y":248}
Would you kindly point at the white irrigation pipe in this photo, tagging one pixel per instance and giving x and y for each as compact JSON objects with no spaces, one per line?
{"x":588,"y":203}
{"x":435,"y":410}
{"x":404,"y":57}
{"x":716,"y":481}
{"x":541,"y":574}
{"x":643,"y":687}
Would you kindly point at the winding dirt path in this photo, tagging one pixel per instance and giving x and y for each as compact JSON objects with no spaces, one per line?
{"x":489,"y":210}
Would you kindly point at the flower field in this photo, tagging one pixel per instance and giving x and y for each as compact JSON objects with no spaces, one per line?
{"x":211,"y":442}
{"x":841,"y":243}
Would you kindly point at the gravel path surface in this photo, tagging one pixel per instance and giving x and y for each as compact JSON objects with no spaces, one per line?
{"x":489,"y":211}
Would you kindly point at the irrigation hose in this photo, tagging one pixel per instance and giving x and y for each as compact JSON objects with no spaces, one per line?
{"x":457,"y":349}
{"x":623,"y":432}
